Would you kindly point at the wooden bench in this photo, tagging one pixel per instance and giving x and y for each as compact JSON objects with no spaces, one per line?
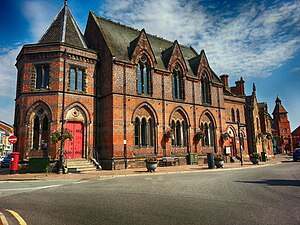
{"x":169,"y":161}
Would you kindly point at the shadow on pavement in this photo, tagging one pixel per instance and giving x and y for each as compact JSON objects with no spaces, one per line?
{"x":295,"y":183}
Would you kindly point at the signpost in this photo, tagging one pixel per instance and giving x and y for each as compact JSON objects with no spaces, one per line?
{"x":12,"y":139}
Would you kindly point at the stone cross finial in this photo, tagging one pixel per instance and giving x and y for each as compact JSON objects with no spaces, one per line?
{"x":66,"y":2}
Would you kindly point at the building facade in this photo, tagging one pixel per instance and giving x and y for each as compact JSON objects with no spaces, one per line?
{"x":121,"y":92}
{"x":6,"y":130}
{"x":296,"y":137}
{"x":282,"y":128}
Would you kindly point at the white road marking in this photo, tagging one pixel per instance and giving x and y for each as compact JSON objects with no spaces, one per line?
{"x":31,"y":188}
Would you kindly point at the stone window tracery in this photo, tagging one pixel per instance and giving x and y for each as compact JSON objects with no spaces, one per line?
{"x":144,"y":76}
{"x":205,"y":87}
{"x":177,"y":83}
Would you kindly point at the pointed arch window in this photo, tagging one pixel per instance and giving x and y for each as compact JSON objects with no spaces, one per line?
{"x":238,"y":118}
{"x":232,"y":115}
{"x":42,"y":76}
{"x":40,"y":129}
{"x":177,"y":83}
{"x":180,"y":134}
{"x":209,"y":134}
{"x":144,"y":76}
{"x":205,"y":87}
{"x":144,"y":132}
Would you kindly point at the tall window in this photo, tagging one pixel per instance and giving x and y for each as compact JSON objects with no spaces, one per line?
{"x":238,"y":116}
{"x":209,"y":134}
{"x":206,"y":95}
{"x":40,"y":128}
{"x":144,"y":132}
{"x":144,"y":76}
{"x":232,"y":115}
{"x":76,"y":79}
{"x":180,"y":134}
{"x":177,"y":83}
{"x":42,"y":77}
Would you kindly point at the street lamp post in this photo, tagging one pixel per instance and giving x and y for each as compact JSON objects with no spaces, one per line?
{"x":61,"y":152}
{"x":240,"y":126}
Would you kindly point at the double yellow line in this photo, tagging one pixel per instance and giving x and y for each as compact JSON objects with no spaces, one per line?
{"x":3,"y":221}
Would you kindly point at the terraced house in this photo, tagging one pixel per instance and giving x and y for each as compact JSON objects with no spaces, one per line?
{"x":122,"y":92}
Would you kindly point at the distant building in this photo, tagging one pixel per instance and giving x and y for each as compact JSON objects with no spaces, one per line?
{"x":296,"y":137}
{"x":6,"y":130}
{"x":259,"y":124}
{"x":281,"y":128}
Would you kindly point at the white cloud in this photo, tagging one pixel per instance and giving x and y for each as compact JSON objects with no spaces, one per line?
{"x":40,"y":15}
{"x":245,"y":40}
{"x":7,"y":113}
{"x":8,"y":73}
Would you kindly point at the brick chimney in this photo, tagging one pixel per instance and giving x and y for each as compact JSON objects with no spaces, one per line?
{"x":224,"y":79}
{"x":240,"y":87}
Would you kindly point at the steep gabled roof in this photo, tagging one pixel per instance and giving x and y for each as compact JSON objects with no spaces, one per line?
{"x":121,"y":39}
{"x":64,"y":29}
{"x":279,"y":109}
{"x":296,"y":131}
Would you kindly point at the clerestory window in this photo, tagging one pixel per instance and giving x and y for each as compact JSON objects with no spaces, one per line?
{"x":177,"y":83}
{"x":144,"y":76}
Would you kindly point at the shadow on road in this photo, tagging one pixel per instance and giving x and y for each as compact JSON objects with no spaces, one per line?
{"x":295,"y":183}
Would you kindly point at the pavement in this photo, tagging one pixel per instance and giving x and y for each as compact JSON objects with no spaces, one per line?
{"x":5,"y":176}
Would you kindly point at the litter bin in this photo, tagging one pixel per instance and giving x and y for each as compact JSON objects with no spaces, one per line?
{"x":210,"y":160}
{"x":193,"y":158}
{"x":14,"y":162}
{"x":263,"y":156}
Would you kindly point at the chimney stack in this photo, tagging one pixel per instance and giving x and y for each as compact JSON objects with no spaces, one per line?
{"x":224,"y":79}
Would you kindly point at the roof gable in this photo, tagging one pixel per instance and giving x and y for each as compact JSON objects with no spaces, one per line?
{"x":172,"y":55}
{"x":141,"y":43}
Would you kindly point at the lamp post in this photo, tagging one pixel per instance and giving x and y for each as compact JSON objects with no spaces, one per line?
{"x":61,"y":152}
{"x":240,"y":127}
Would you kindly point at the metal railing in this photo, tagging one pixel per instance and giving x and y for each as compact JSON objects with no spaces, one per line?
{"x":94,"y":157}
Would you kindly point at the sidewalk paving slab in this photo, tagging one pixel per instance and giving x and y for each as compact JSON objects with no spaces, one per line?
{"x":137,"y":171}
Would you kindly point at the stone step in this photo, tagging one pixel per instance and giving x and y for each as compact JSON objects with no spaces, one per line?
{"x":80,"y":165}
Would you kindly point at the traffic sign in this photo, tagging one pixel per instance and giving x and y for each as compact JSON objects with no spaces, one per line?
{"x":12,"y":139}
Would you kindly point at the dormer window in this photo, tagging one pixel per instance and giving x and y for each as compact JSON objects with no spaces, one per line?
{"x":42,"y":77}
{"x":144,"y":76}
{"x":177,"y":83}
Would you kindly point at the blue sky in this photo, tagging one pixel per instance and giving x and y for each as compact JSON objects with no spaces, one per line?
{"x":258,"y":40}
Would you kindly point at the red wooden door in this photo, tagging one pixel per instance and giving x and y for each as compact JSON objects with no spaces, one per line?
{"x":74,"y":147}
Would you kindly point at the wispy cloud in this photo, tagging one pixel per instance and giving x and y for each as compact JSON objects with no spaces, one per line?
{"x":40,"y":15}
{"x":249,"y":39}
{"x":8,"y":72}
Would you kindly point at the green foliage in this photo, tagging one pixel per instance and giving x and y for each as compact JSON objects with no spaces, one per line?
{"x":58,"y":136}
{"x":151,"y":159}
{"x":199,"y":135}
{"x":255,"y":155}
{"x":218,"y":157}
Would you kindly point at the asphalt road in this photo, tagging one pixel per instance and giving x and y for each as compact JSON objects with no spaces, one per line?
{"x":262,"y":195}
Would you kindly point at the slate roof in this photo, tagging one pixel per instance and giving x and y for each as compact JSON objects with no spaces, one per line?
{"x":64,"y":29}
{"x":121,"y":40}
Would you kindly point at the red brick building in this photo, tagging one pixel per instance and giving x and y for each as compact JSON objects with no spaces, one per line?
{"x":281,"y":128}
{"x":55,"y":86}
{"x":121,"y":92}
{"x":296,"y":137}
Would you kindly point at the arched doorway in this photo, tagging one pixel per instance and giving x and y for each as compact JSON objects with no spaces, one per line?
{"x":74,"y":148}
{"x":229,"y":144}
{"x":77,"y":125}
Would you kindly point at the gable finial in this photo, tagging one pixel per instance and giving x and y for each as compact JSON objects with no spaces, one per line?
{"x":65,"y":2}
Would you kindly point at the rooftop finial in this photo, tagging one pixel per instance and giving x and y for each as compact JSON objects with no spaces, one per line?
{"x":66,"y":2}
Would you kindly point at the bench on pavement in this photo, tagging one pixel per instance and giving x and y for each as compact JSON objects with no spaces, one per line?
{"x":169,"y":161}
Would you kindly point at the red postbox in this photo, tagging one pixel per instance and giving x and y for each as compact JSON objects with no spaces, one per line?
{"x":14,"y":162}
